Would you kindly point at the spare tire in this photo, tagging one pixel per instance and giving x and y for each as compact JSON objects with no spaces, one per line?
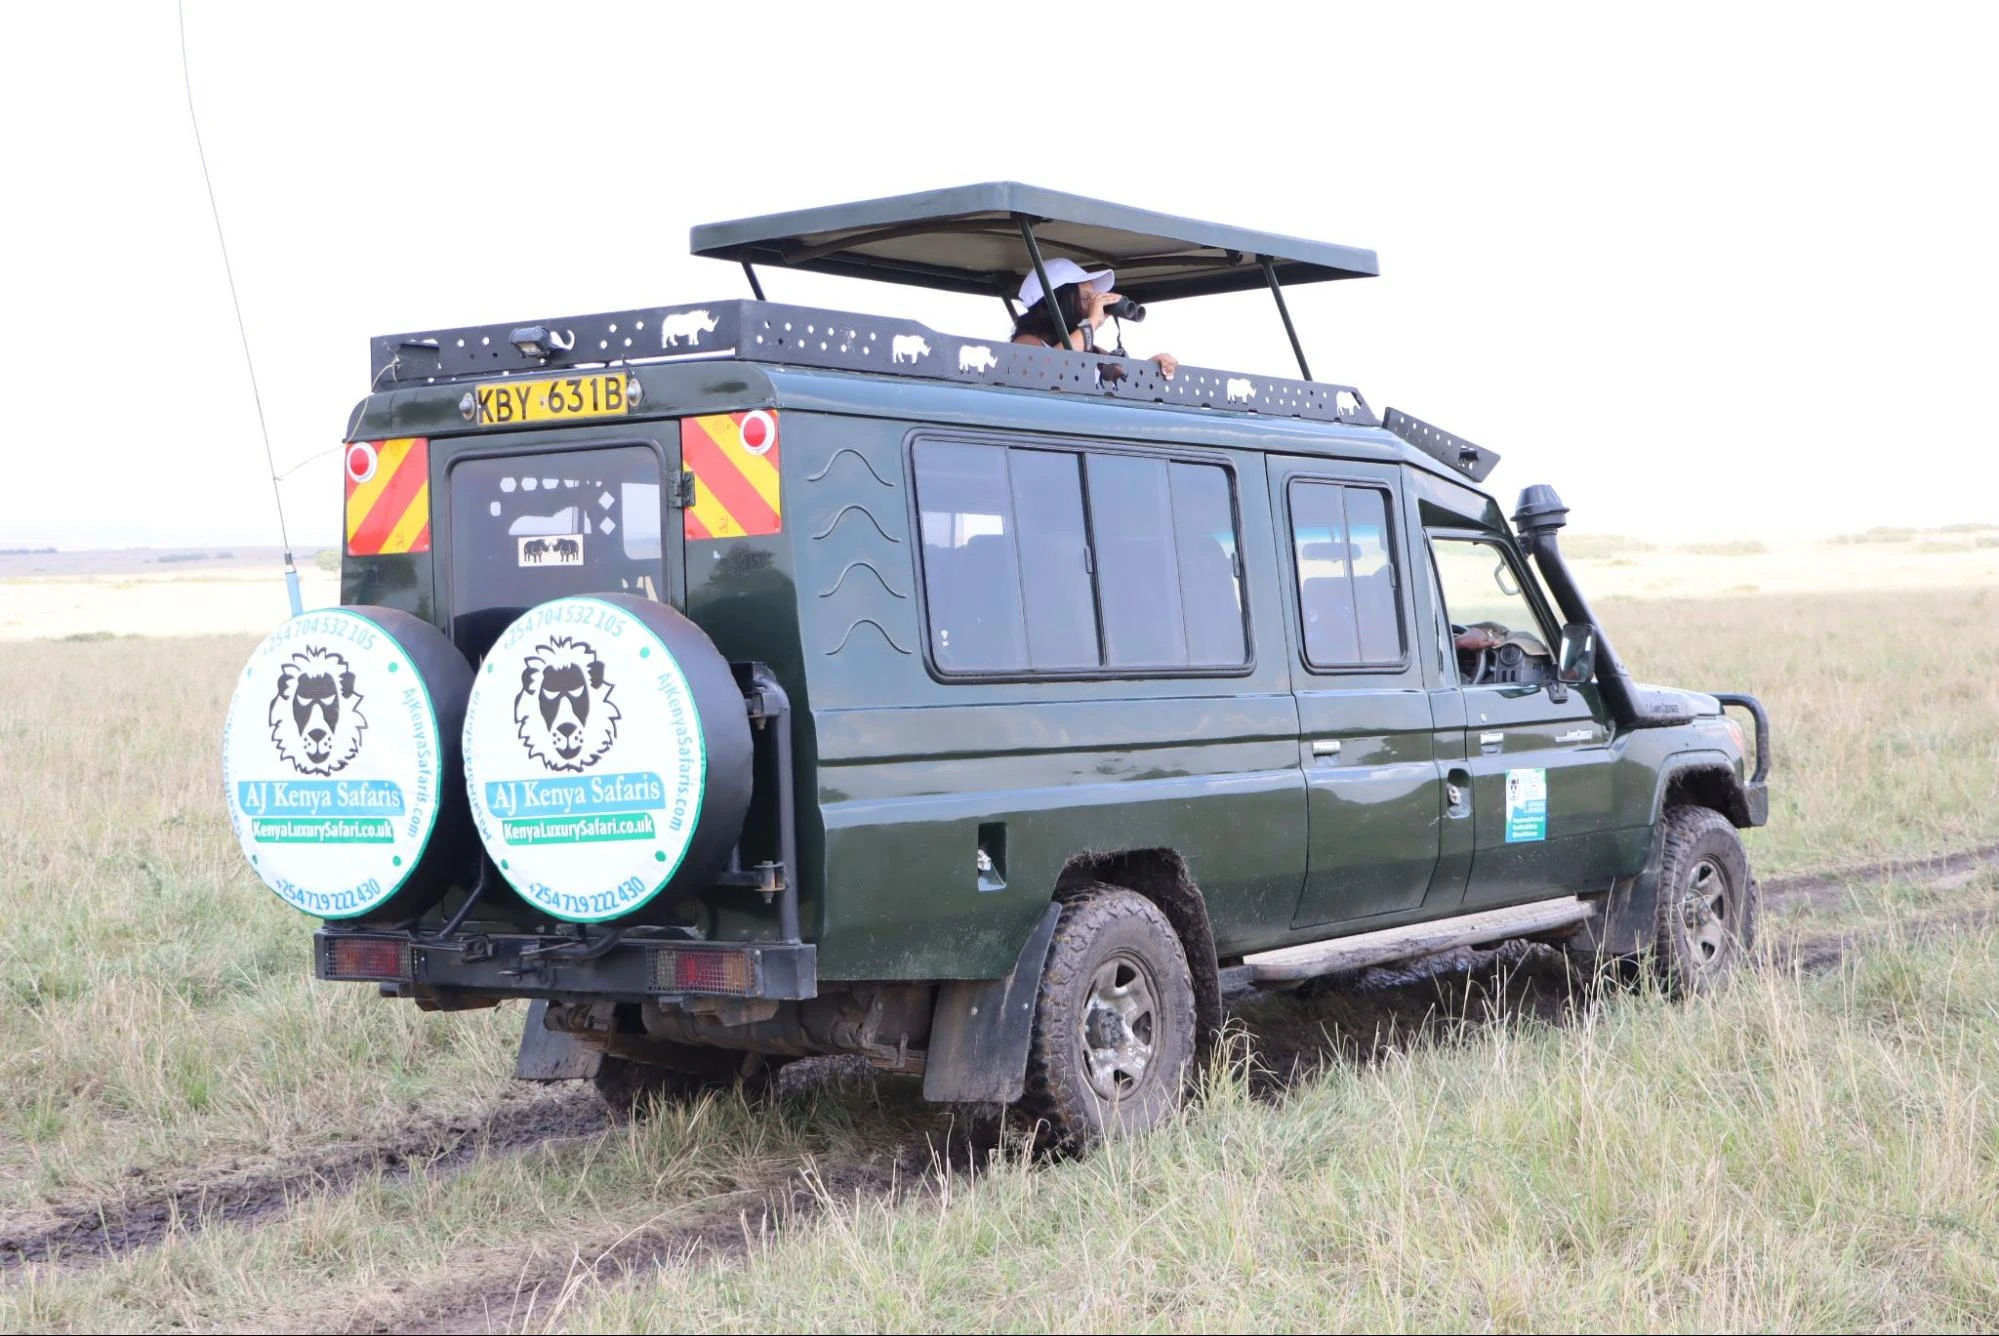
{"x":607,"y":756}
{"x":339,"y":761}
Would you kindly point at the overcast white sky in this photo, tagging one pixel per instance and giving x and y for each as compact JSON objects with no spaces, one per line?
{"x":1713,"y":270}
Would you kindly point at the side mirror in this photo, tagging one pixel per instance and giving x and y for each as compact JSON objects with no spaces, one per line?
{"x":1575,"y":660}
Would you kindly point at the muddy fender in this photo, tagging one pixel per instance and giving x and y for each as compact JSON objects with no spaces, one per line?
{"x":981,"y":1028}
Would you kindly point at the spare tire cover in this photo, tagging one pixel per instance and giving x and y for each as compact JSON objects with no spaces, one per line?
{"x":338,"y":758}
{"x":607,"y":755}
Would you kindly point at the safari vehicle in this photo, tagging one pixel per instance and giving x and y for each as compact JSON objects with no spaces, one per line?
{"x":826,"y":684}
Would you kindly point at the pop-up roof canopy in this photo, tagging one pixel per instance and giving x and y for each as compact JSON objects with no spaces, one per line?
{"x":986,"y":238}
{"x":970,"y":239}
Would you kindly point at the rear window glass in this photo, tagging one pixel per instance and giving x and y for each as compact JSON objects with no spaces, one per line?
{"x":528,"y":528}
{"x":1041,"y":560}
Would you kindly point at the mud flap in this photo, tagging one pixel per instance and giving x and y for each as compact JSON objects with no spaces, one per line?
{"x":981,"y":1028}
{"x":553,"y":1055}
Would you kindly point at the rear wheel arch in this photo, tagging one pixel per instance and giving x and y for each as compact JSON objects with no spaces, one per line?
{"x":1161,"y":876}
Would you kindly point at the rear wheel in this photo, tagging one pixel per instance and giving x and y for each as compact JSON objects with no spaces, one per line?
{"x":1708,"y":902}
{"x":1114,"y":1021}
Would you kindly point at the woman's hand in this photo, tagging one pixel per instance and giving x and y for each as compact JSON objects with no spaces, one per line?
{"x":1094,"y":304}
{"x":1168,"y":363}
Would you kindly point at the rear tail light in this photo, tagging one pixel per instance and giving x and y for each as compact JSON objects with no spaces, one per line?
{"x":703,"y":970}
{"x":369,"y":958}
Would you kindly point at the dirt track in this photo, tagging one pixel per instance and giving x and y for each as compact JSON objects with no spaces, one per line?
{"x":1381,"y":1012}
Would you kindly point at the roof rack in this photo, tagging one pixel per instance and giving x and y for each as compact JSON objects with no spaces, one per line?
{"x":770,"y":332}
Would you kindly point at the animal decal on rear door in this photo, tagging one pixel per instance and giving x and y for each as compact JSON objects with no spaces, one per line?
{"x":564,"y":711}
{"x":560,"y":550}
{"x":316,"y":716}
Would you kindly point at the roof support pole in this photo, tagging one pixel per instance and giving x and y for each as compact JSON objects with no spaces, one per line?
{"x":749,"y":272}
{"x":1297,"y":349}
{"x":1061,"y":339}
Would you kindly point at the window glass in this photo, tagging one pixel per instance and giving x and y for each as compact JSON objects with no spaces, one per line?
{"x":1345,"y":552}
{"x":1325,"y":590}
{"x":1373,"y":568}
{"x":1054,"y":560}
{"x":639,"y":502}
{"x":1132,"y":522}
{"x":1481,"y":587}
{"x":971,"y":577}
{"x":1028,"y":569}
{"x":1204,"y":540}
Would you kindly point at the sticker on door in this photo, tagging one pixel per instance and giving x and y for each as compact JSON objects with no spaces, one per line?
{"x":1526,"y":806}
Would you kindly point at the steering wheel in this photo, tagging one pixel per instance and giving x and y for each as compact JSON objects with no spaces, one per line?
{"x":1479,"y":664}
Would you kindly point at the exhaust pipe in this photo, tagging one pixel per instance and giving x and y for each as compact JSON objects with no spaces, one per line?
{"x":1537,"y":519}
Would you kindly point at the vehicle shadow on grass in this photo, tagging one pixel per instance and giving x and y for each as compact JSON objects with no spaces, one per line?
{"x":1360,"y":1019}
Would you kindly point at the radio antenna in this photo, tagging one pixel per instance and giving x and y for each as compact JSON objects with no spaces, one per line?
{"x":270,"y":464}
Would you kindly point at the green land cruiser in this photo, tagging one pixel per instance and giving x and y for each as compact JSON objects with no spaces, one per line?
{"x":824,"y":684}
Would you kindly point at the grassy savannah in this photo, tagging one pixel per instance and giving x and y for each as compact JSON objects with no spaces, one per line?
{"x":1808,"y":1150}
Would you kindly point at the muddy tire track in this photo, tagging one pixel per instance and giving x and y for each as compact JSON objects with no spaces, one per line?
{"x":1941,"y":871}
{"x":86,"y":1232}
{"x":512,"y":1288}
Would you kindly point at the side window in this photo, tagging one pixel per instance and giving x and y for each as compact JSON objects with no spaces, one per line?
{"x":1482,"y":593}
{"x":971,"y":569}
{"x":1046,"y":561}
{"x":1344,"y":547}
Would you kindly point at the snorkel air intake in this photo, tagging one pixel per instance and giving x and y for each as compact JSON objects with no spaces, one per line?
{"x":1537,"y":519}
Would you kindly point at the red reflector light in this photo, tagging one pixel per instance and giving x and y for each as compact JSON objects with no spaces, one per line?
{"x":368,"y":958}
{"x":703,"y":971}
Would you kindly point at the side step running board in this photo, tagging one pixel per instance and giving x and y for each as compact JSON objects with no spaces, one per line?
{"x":1309,"y":961}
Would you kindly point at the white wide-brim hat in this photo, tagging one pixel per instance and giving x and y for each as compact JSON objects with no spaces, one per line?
{"x":1062,"y":273}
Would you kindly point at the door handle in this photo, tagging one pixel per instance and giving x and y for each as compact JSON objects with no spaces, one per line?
{"x":1325,"y":746}
{"x":1490,"y":743}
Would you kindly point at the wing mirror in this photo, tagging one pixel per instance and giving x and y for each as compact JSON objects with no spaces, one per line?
{"x":1575,"y":660}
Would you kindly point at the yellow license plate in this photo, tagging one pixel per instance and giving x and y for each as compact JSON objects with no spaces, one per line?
{"x":557,"y":400}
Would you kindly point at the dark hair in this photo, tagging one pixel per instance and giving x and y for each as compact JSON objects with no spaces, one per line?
{"x":1068,"y":300}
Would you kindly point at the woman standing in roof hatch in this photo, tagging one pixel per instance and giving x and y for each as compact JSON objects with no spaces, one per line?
{"x":1082,"y":299}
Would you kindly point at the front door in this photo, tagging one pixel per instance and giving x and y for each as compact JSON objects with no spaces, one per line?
{"x":1538,"y":753}
{"x":1374,"y":787}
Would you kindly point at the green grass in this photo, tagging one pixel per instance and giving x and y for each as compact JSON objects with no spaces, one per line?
{"x":1815,"y":1154}
{"x":1798,"y":1156}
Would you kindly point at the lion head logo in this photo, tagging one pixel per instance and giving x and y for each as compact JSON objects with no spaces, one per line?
{"x":564,"y":710}
{"x":316,"y":715}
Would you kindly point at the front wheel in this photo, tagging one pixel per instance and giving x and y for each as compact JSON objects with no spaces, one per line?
{"x":1708,"y":902}
{"x":1113,"y":1024}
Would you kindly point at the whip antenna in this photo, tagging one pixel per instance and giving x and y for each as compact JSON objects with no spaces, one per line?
{"x":270,"y":464}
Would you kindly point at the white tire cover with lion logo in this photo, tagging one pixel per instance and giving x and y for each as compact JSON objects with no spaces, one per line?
{"x":607,"y":752}
{"x":336,"y":759}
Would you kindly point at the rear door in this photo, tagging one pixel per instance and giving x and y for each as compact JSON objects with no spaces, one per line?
{"x":1539,"y":755}
{"x":578,"y":513}
{"x":1373,"y":783}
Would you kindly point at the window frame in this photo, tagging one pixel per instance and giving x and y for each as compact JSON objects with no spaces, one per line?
{"x":1081,"y":448}
{"x":1390,"y":496}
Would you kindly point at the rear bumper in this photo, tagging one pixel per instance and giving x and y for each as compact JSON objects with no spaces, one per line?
{"x":474,"y":968}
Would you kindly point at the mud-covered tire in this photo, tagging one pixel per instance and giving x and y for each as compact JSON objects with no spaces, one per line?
{"x":1705,"y":922}
{"x":631,"y":1088}
{"x":1114,"y":1030}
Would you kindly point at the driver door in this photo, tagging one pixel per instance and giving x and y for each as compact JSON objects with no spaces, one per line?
{"x":1539,"y":754}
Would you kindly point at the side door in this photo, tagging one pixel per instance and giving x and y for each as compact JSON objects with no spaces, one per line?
{"x":1374,"y":790}
{"x":1538,"y":753}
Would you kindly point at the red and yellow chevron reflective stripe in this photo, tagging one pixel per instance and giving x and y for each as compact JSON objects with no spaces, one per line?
{"x":733,"y":457}
{"x":388,"y":496}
